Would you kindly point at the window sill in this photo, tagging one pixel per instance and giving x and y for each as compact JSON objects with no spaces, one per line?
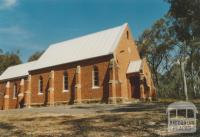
{"x":65,"y":91}
{"x":95,"y":87}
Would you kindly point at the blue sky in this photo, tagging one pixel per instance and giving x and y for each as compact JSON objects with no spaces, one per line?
{"x":31,"y":25}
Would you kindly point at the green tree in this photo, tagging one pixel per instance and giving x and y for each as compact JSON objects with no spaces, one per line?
{"x":9,"y":59}
{"x":35,"y":56}
{"x":186,"y":20}
{"x":170,"y":42}
{"x":170,"y":85}
{"x":156,"y":44}
{"x":186,"y":16}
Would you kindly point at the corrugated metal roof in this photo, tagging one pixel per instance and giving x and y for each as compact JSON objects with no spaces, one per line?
{"x":85,"y":47}
{"x":134,"y":66}
{"x":17,"y":71}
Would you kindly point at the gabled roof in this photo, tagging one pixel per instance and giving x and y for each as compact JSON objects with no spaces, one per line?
{"x":134,"y":66}
{"x":16,"y":71}
{"x":85,"y":47}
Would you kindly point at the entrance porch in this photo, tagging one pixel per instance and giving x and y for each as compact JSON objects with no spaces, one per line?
{"x":140,"y":87}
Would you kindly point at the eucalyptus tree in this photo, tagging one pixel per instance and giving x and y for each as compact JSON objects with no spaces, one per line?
{"x":8,"y":59}
{"x":35,"y":56}
{"x":156,"y":44}
{"x":186,"y":20}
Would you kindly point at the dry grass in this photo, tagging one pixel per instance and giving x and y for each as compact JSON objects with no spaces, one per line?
{"x":124,"y":121}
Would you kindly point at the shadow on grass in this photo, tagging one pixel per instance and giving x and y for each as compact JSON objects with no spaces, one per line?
{"x":110,"y":125}
{"x":6,"y":126}
{"x":45,"y":118}
{"x":130,"y":124}
{"x":90,"y":106}
{"x":106,"y":124}
{"x":9,"y":129}
{"x":141,"y":108}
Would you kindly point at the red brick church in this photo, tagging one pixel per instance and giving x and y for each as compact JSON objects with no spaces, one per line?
{"x":100,"y":67}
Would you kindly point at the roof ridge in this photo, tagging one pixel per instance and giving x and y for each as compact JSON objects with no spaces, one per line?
{"x":85,"y":35}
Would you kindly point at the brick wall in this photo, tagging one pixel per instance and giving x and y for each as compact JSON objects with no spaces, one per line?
{"x":87,"y":91}
{"x":13,"y":101}
{"x":149,"y":79}
{"x":126,"y":52}
{"x":2,"y":91}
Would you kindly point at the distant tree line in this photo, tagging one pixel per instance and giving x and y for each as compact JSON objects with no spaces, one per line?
{"x":8,"y":59}
{"x":35,"y":56}
{"x":172,"y":48}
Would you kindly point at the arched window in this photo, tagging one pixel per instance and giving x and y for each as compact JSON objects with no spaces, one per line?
{"x":95,"y":76}
{"x":40,"y":85}
{"x":65,"y":81}
{"x":15,"y":90}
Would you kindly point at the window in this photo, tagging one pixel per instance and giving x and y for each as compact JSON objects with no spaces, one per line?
{"x":65,"y":82}
{"x":15,"y":90}
{"x":127,"y":35}
{"x":95,"y":77}
{"x":122,"y":51}
{"x":40,"y":85}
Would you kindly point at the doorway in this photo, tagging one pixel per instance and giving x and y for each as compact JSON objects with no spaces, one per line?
{"x":135,"y":86}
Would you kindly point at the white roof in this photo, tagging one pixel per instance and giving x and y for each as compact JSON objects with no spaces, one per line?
{"x":85,"y":47}
{"x":16,"y":71}
{"x":134,"y":66}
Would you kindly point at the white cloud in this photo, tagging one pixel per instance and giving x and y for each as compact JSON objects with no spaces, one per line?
{"x":12,"y":30}
{"x":13,"y":35}
{"x":6,"y":4}
{"x":17,"y":37}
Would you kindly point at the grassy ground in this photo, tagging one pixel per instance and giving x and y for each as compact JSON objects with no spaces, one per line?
{"x":94,"y":120}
